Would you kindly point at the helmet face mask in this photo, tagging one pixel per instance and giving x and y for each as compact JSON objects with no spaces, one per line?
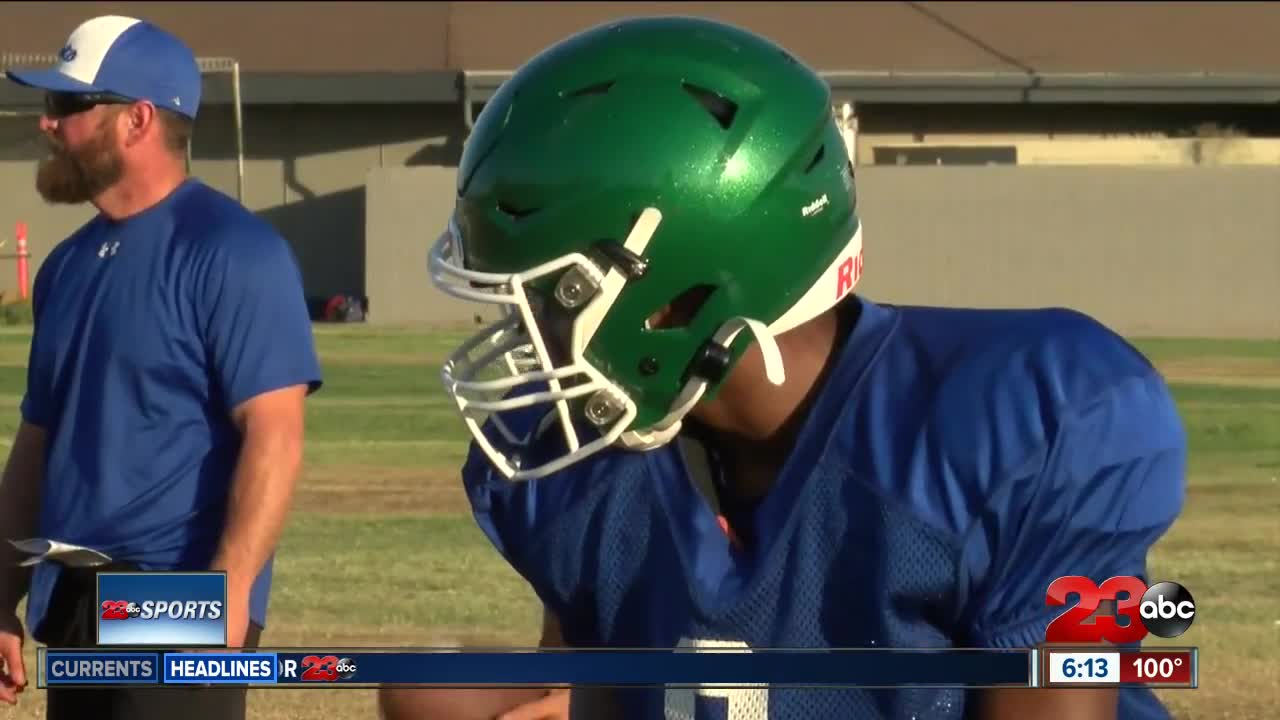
{"x":518,"y":342}
{"x":583,"y":215}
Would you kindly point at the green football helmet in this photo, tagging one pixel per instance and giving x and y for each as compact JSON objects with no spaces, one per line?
{"x":640,"y":166}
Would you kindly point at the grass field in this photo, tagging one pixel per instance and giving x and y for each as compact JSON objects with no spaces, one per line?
{"x":382,"y":551}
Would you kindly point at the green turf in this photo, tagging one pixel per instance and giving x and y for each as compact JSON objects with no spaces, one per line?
{"x":383,"y":552}
{"x":1164,"y":349}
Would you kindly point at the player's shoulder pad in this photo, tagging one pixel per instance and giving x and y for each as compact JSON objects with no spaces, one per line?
{"x":1020,"y":375}
{"x":1053,"y":359}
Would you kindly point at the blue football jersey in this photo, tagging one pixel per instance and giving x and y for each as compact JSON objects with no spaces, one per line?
{"x":956,"y":462}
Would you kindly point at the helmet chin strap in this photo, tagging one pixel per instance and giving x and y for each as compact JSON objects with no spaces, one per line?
{"x":668,"y":427}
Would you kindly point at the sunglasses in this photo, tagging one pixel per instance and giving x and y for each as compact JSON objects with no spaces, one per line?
{"x":66,"y":104}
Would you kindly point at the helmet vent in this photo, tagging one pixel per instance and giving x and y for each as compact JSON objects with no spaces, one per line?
{"x":681,"y":310}
{"x":514,"y":212}
{"x":600,"y":88}
{"x":817,"y":158}
{"x":720,"y":107}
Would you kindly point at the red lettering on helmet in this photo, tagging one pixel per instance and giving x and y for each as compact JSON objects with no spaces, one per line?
{"x":844,"y":277}
{"x":848,"y":274}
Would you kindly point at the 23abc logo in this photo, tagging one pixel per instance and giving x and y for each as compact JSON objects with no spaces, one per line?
{"x":327,"y":668}
{"x":120,"y":610}
{"x":1166,"y":609}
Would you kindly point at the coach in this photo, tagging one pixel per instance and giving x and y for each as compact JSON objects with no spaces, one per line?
{"x":162,"y":423}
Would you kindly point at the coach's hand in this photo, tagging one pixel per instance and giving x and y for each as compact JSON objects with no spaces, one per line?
{"x":555,"y":706}
{"x":237,"y":616}
{"x":13,"y":673}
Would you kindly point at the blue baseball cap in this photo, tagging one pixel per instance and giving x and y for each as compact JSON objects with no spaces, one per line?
{"x":123,"y":56}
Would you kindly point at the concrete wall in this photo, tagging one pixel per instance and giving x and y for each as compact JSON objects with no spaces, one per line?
{"x":1150,"y":251}
{"x":406,"y":210}
{"x":305,"y":171}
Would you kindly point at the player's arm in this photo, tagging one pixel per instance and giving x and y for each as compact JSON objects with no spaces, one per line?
{"x":563,"y":704}
{"x":1056,"y":704}
{"x":257,"y":333}
{"x":482,"y":703}
{"x":1111,"y":483}
{"x":553,"y":704}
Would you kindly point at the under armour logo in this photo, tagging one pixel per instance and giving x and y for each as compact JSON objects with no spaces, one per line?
{"x":108,"y":249}
{"x":67,"y":54}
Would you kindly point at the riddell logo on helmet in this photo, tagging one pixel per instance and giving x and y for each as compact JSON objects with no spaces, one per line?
{"x":848,"y":274}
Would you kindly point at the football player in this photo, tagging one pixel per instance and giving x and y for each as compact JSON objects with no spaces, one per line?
{"x":701,"y":435}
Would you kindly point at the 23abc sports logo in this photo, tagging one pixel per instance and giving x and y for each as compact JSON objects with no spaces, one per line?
{"x":1166,"y":609}
{"x":162,"y":609}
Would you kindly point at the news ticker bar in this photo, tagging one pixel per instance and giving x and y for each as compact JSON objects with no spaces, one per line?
{"x":452,"y":667}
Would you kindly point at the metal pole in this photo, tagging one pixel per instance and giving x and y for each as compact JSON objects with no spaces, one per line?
{"x":235,"y":91}
{"x":468,"y":106}
{"x":849,"y":128}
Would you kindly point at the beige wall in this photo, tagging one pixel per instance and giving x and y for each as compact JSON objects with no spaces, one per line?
{"x":362,"y":191}
{"x":407,"y":208}
{"x":1150,"y":251}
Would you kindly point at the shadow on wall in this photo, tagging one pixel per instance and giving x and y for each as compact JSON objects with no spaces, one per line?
{"x":305,"y":170}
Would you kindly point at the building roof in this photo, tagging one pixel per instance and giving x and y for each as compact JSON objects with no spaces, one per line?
{"x":880,"y":51}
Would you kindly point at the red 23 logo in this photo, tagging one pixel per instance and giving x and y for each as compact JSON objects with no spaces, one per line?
{"x":320,"y":668}
{"x":115,"y":610}
{"x":1068,"y":628}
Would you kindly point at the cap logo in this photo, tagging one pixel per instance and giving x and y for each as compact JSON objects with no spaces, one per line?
{"x":67,"y":53}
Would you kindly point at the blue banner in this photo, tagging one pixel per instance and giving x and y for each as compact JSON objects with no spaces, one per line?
{"x":833,"y":668}
{"x":162,"y":609}
{"x":617,"y":668}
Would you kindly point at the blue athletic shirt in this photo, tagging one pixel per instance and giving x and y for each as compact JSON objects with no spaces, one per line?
{"x":148,"y":332}
{"x":956,"y":463}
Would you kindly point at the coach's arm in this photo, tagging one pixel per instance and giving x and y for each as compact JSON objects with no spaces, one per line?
{"x":271,"y":426}
{"x":1111,"y":483}
{"x":257,"y":333}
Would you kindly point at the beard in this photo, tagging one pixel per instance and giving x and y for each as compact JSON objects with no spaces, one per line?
{"x":72,"y":177}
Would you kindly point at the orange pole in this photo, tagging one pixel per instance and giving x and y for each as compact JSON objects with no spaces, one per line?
{"x":22,"y":259}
